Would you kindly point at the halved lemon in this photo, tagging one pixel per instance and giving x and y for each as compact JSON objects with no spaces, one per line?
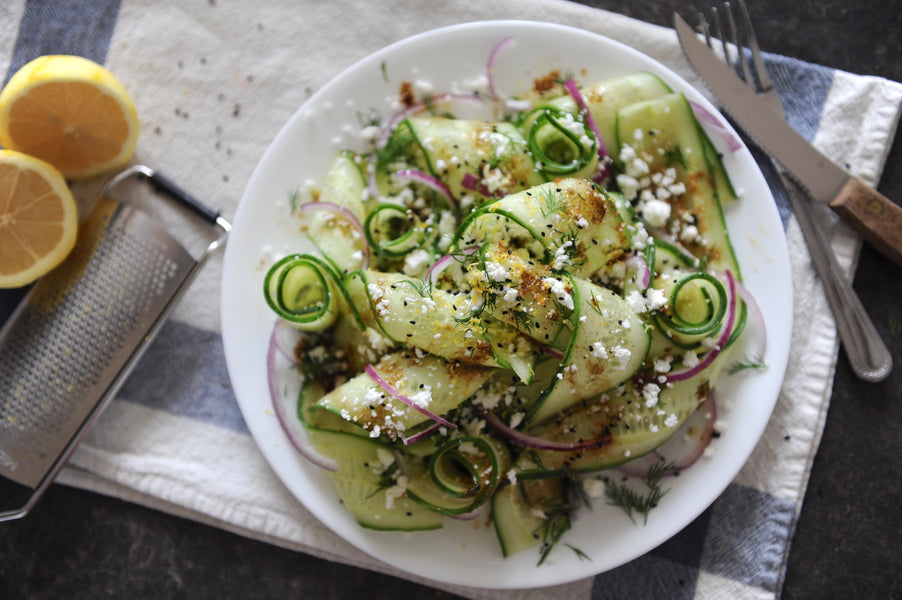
{"x":38,"y":218}
{"x":72,"y":113}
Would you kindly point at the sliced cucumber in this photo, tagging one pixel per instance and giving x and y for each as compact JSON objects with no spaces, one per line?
{"x":624,"y":422}
{"x":570,"y":215}
{"x":666,"y":135}
{"x":439,"y":385}
{"x":461,"y":153}
{"x":359,"y":480}
{"x":520,"y":512}
{"x":606,"y":98}
{"x":408,"y":310}
{"x":459,"y":477}
{"x":334,"y":232}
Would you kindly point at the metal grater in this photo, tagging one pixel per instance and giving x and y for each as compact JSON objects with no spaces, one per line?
{"x":75,"y":336}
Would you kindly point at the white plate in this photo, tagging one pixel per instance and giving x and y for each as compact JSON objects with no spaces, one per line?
{"x":466,"y":553}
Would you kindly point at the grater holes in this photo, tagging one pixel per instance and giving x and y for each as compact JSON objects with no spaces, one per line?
{"x":62,"y":347}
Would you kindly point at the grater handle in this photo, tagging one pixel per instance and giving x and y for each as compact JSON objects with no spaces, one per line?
{"x":166,"y":185}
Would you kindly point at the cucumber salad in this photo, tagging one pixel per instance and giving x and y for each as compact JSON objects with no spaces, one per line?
{"x":517,"y":304}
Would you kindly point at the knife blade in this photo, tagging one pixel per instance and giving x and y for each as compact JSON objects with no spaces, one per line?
{"x":874,"y":216}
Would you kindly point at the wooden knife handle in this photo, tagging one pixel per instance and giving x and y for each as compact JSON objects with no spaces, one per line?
{"x":874,"y":215}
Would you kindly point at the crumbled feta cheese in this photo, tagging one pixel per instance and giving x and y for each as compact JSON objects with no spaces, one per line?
{"x":423,"y":397}
{"x":662,"y":365}
{"x":690,"y":359}
{"x":622,"y":355}
{"x":510,"y":294}
{"x":656,"y":212}
{"x":415,"y":263}
{"x":395,"y":491}
{"x":496,"y":271}
{"x":650,"y":393}
{"x":671,"y":421}
{"x":561,"y":255}
{"x":598,"y":351}
{"x":538,"y":513}
{"x":557,"y":287}
{"x":516,"y":419}
{"x":594,"y":488}
{"x":655,"y":299}
{"x":386,"y":457}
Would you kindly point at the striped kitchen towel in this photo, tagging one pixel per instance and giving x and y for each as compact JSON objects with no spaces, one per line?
{"x":214,"y":81}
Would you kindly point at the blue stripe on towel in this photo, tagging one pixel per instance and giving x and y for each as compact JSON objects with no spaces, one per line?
{"x":803,"y":88}
{"x":184,"y":373}
{"x":668,"y":571}
{"x":82,"y":27}
{"x":749,"y":532}
{"x":741,"y":537}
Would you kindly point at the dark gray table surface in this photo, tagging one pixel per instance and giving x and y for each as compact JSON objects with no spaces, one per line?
{"x":82,"y":545}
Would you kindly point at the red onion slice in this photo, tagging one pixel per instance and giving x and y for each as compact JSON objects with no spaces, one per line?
{"x":541,"y":443}
{"x":702,"y":421}
{"x":573,"y":90}
{"x":552,"y":352}
{"x":473,"y":514}
{"x":347,"y":214}
{"x":422,"y":434}
{"x":473,"y":183}
{"x":703,"y":114}
{"x":429,"y":181}
{"x":643,"y":273}
{"x":721,"y":341}
{"x":293,"y":428}
{"x":439,"y":266}
{"x":684,"y":448}
{"x":286,"y":339}
{"x":756,"y":315}
{"x":385,"y":385}
{"x":494,"y":92}
{"x":638,"y":467}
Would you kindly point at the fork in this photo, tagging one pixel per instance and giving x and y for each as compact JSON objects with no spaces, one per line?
{"x":868,"y":355}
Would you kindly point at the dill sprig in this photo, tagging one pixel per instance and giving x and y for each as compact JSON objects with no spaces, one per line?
{"x":558,"y":522}
{"x":370,"y":118}
{"x":294,"y":200}
{"x":552,"y":202}
{"x":421,"y":287}
{"x":388,"y":478}
{"x":749,"y":362}
{"x":634,"y":502}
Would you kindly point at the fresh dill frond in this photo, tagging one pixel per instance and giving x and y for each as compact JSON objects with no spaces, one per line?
{"x":579,"y":553}
{"x":523,"y":319}
{"x":371,"y":118}
{"x":634,"y":502}
{"x":294,"y":200}
{"x":388,"y":478}
{"x":553,"y":529}
{"x":552,"y":202}
{"x":558,"y":521}
{"x":675,"y":157}
{"x":749,"y":362}
{"x":420,"y":286}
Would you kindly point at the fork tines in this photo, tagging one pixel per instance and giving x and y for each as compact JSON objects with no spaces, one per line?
{"x":732,"y":36}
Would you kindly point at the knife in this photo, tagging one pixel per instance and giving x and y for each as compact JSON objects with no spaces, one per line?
{"x":872,"y":214}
